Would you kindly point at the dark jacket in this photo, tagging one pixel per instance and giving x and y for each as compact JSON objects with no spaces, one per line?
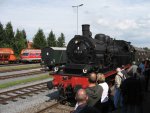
{"x":84,"y":108}
{"x":94,"y":94}
{"x":132,"y":90}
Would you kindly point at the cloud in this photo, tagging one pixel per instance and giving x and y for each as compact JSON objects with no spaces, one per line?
{"x":103,"y":22}
{"x":122,"y":19}
{"x":126,"y":24}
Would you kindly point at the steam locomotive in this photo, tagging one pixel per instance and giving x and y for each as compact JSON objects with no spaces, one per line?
{"x":99,"y":54}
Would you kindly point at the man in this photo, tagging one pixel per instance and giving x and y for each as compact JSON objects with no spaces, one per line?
{"x":124,"y":72}
{"x":118,"y":81}
{"x":94,"y":91}
{"x":147,"y":74}
{"x":132,"y":90}
{"x":142,"y":66}
{"x":133,"y":68}
{"x":81,"y":98}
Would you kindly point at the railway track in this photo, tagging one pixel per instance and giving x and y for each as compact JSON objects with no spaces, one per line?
{"x":55,"y":106}
{"x":17,"y":64}
{"x":12,"y":95}
{"x":48,"y":107}
{"x":20,"y":75}
{"x":11,"y":70}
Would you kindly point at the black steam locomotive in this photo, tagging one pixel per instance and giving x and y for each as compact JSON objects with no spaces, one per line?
{"x":101,"y":53}
{"x":86,"y":54}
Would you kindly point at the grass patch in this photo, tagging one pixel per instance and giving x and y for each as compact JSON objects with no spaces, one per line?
{"x":20,"y":67}
{"x":9,"y":84}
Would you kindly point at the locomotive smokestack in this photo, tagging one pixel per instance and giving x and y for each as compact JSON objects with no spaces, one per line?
{"x":86,"y":30}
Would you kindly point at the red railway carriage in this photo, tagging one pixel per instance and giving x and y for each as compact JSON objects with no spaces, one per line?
{"x":30,"y":55}
{"x":7,"y":55}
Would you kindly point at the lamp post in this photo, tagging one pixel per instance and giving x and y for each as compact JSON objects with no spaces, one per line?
{"x":77,"y":14}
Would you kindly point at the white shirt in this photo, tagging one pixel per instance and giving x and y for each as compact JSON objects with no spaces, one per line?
{"x":76,"y":106}
{"x":105,"y":87}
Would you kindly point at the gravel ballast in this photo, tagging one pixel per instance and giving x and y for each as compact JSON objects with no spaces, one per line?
{"x":24,"y":105}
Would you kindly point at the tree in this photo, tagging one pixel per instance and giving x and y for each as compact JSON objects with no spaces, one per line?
{"x":51,"y":39}
{"x":61,"y":40}
{"x":9,"y":39}
{"x":2,"y":35}
{"x":146,"y":48}
{"x":20,"y":42}
{"x":24,"y":36}
{"x":39,"y":40}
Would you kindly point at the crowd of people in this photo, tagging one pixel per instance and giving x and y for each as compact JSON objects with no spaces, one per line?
{"x":129,"y":88}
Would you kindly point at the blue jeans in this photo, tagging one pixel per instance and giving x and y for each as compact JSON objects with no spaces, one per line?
{"x":118,"y":98}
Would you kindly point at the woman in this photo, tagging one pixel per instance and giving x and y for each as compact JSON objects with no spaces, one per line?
{"x":104,"y":98}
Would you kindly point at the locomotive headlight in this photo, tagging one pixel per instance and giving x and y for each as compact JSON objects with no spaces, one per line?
{"x":84,"y":70}
{"x":76,"y":41}
{"x":56,"y":69}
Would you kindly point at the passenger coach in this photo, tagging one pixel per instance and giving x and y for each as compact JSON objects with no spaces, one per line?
{"x":30,"y":55}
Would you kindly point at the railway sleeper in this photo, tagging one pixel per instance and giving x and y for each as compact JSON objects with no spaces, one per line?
{"x":36,"y":93}
{"x":3,"y":102}
{"x":23,"y":97}
{"x":30,"y":95}
{"x":19,"y":92}
{"x":14,"y":100}
{"x":42,"y":91}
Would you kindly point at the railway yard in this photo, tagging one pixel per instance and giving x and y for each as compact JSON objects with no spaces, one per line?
{"x":23,"y":89}
{"x":33,"y":96}
{"x":75,"y":56}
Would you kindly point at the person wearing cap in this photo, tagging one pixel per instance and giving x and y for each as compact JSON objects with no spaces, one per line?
{"x":133,"y":68}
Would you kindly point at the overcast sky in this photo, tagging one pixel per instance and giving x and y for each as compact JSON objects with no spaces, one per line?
{"x":121,"y":19}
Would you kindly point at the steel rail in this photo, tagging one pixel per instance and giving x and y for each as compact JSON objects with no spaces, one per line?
{"x":16,"y":64}
{"x":20,"y":92}
{"x":11,"y":70}
{"x":20,"y":75}
{"x":51,"y":106}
